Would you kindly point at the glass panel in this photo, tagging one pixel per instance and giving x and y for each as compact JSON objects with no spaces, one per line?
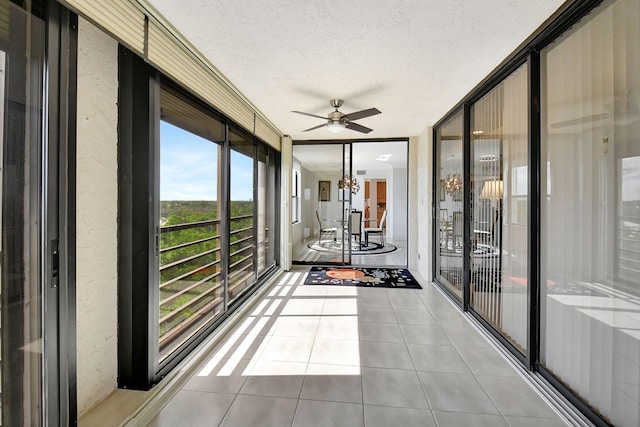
{"x":348,"y":187}
{"x":590,"y":235}
{"x":317,"y":237}
{"x":267,"y":192}
{"x":381,"y":169}
{"x":242,"y":239}
{"x":499,"y":207}
{"x":22,"y":74}
{"x":449,"y":204}
{"x":191,"y":292}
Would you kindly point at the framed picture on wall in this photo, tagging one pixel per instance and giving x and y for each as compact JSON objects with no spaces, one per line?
{"x":324,"y":191}
{"x":443,"y":192}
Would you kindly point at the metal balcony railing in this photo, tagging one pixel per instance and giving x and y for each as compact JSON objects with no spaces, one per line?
{"x":191,"y":288}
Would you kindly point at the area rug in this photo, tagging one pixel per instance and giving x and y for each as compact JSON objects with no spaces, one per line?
{"x":373,"y":248}
{"x":360,"y":276}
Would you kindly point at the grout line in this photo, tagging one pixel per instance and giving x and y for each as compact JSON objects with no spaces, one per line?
{"x":565,"y":411}
{"x":172,"y":383}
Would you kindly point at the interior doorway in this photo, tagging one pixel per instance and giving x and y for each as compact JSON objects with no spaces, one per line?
{"x":349,"y":203}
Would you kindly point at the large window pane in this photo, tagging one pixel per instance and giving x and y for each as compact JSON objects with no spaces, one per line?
{"x":191,"y":291}
{"x":22,"y":110}
{"x":449,"y":203}
{"x":590,"y":281}
{"x":242,"y":238}
{"x":267,"y":191}
{"x":499,"y":207}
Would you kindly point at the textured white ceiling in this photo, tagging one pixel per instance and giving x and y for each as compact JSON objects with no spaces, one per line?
{"x":411,"y":59}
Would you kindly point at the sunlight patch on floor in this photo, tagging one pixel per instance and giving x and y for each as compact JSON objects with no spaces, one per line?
{"x":295,"y":330}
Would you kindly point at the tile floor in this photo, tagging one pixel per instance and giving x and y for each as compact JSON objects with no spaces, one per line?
{"x":396,"y":258}
{"x":351,"y":356}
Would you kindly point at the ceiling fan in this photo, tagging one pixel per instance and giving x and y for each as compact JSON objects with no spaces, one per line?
{"x":338,"y":121}
{"x":622,"y":111}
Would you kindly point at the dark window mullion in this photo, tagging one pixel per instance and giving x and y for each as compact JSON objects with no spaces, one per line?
{"x":256,"y":203}
{"x":136,"y":245}
{"x":533,"y":215}
{"x":466,"y":209}
{"x":225,"y":214}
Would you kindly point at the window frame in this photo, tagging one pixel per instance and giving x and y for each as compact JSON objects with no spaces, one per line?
{"x":295,"y":197}
{"x":138,"y":222}
{"x":528,"y":52}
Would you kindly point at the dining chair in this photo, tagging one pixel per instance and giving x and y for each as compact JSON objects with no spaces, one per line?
{"x":332,"y":230}
{"x":376,"y":230}
{"x":356,"y":226}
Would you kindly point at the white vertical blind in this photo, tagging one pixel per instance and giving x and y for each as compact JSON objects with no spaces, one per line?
{"x":449,"y":262}
{"x":590,"y":232}
{"x":515,"y":205}
{"x":499,"y":201}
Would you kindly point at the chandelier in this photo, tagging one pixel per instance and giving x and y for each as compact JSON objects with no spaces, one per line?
{"x":453,"y":183}
{"x":349,"y":182}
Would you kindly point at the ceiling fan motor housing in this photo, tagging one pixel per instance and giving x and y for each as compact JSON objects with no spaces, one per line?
{"x":336,"y":117}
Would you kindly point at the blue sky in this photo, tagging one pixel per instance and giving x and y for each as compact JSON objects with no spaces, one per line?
{"x":188,"y":168}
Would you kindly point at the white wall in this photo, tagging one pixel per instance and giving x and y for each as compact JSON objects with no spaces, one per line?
{"x":286,"y":163}
{"x":96,"y":244}
{"x":421,"y":203}
{"x":397,"y":204}
{"x":308,"y":180}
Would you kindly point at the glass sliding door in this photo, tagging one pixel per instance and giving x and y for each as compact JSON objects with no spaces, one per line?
{"x":242,"y":220}
{"x":348,"y":188}
{"x":191,"y":285}
{"x":499,"y":201}
{"x":34,"y":247}
{"x":349,"y":203}
{"x":22,"y":58}
{"x":267,"y":197}
{"x":590,"y":211}
{"x":449,"y":202}
{"x":322,"y":233}
{"x":381,"y":170}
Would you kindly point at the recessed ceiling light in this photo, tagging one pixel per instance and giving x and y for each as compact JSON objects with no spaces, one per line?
{"x":478,"y":132}
{"x":384,"y":157}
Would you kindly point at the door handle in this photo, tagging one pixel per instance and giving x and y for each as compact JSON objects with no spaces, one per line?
{"x":55,"y":263}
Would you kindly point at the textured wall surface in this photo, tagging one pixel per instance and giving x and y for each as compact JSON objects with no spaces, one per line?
{"x":421,"y":248}
{"x":97,"y":169}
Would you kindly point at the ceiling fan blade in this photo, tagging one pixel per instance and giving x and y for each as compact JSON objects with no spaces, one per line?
{"x":357,"y":127}
{"x":315,"y":127}
{"x":361,"y":114}
{"x":309,"y":114}
{"x":580,"y":120}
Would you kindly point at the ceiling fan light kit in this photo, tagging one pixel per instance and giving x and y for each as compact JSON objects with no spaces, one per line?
{"x":338,"y":121}
{"x":336,"y":127}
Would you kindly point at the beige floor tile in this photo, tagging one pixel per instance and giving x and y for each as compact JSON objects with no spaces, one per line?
{"x":260,"y":411}
{"x":385,"y":416}
{"x":317,"y":413}
{"x":336,"y":352}
{"x":193,"y":408}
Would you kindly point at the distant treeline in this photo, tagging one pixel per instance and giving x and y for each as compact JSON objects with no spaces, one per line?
{"x":184,"y":211}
